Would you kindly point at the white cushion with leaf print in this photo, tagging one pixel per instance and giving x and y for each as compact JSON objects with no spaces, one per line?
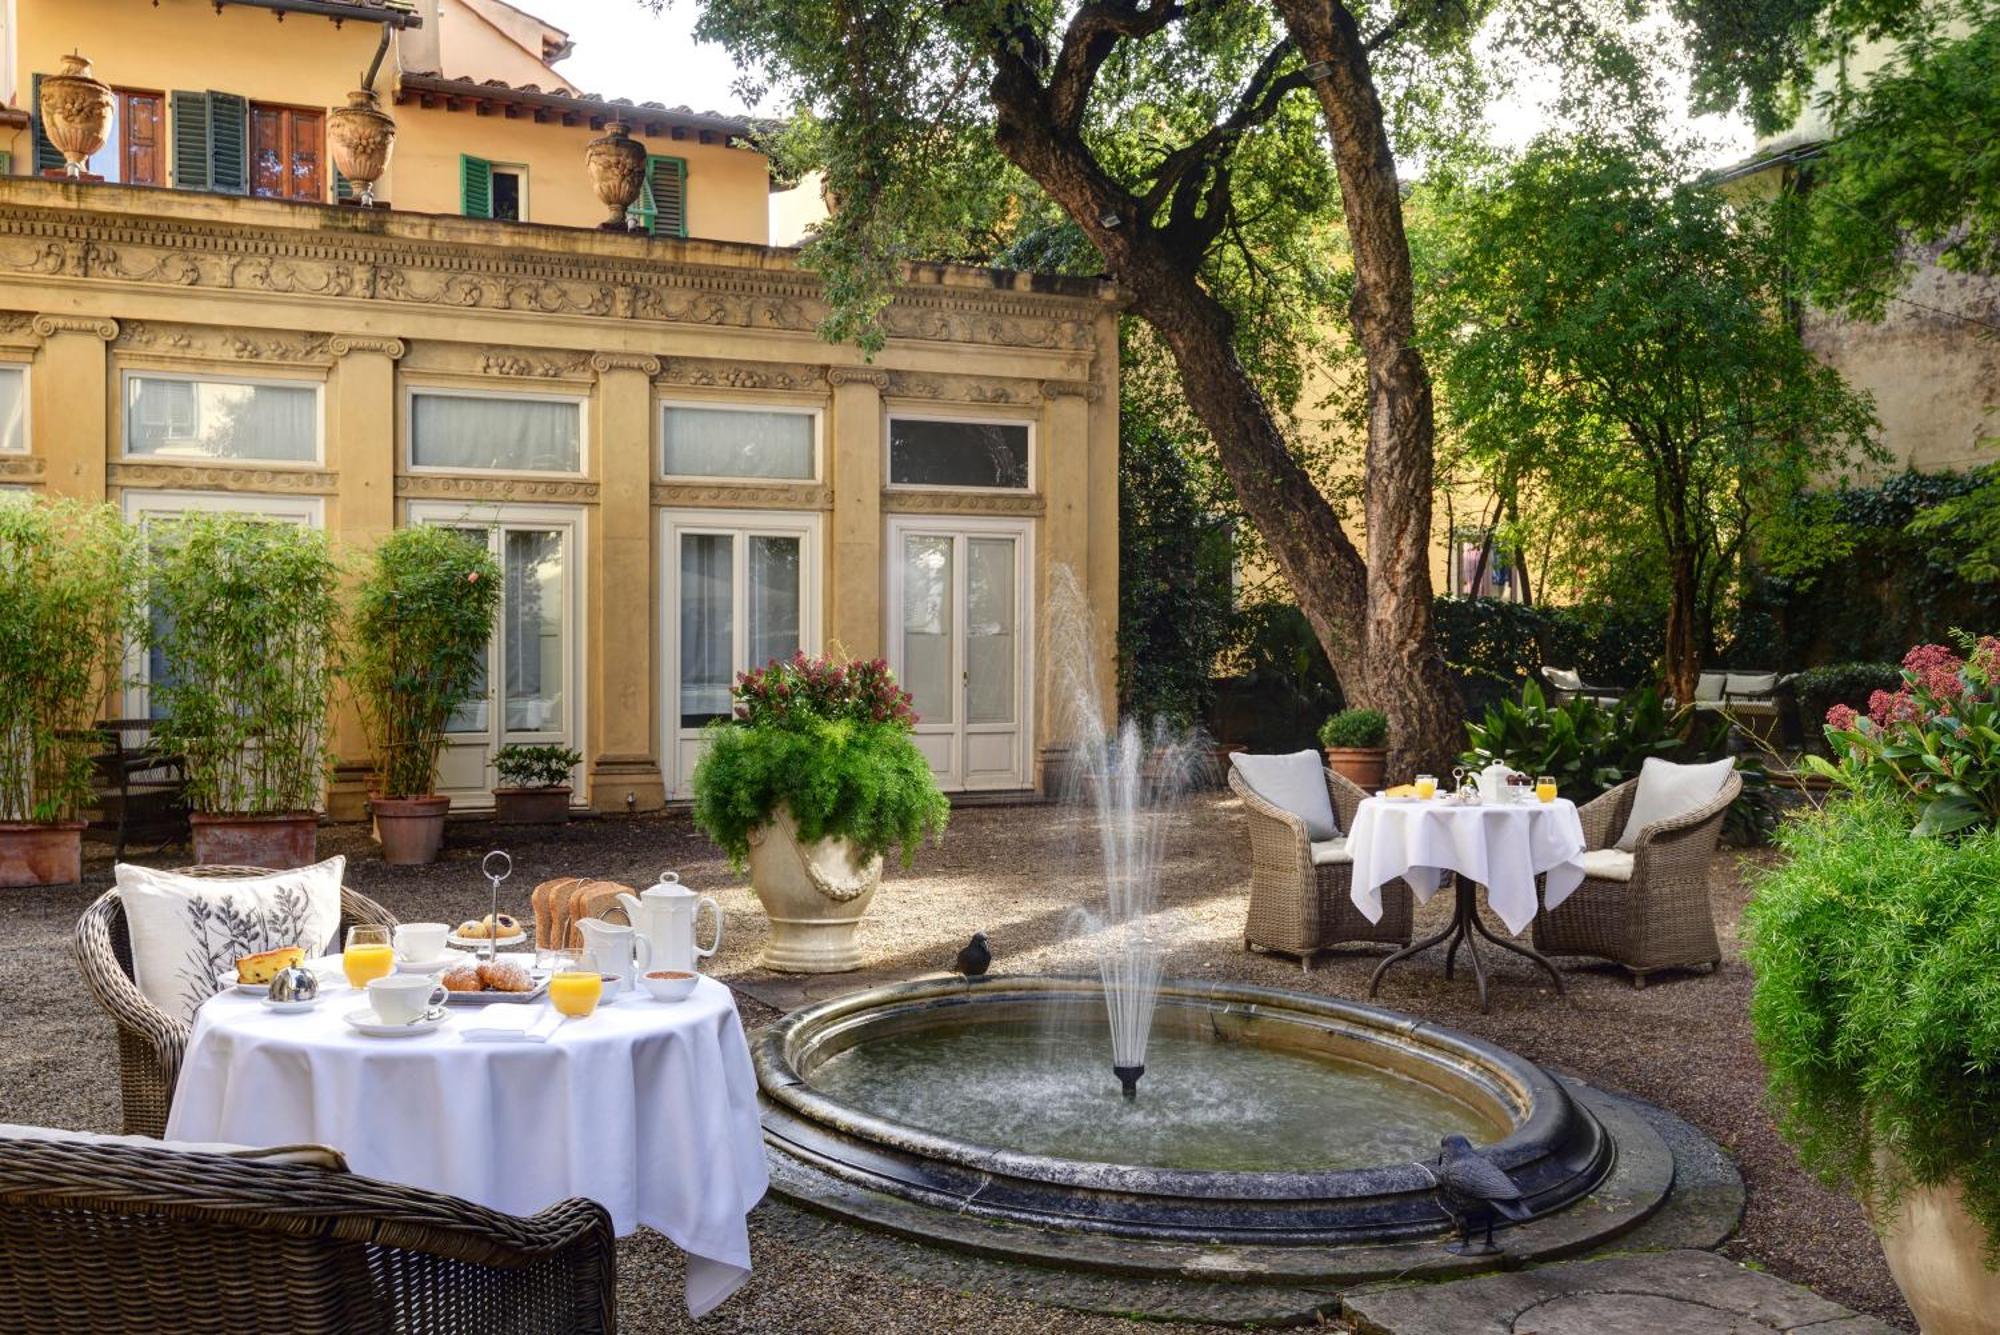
{"x":1667,"y":790}
{"x":185,"y":930}
{"x":1295,"y":782}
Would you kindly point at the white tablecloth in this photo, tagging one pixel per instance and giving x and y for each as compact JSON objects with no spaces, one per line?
{"x":1502,"y":846}
{"x":646,"y":1107}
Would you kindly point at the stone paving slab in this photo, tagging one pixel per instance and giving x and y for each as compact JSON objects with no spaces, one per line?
{"x":1686,"y":1292}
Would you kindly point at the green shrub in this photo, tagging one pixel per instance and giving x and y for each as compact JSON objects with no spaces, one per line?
{"x":831,"y":742}
{"x":244,"y":616}
{"x":69,"y":573}
{"x":1355,"y":728}
{"x":1875,"y":1007}
{"x":1819,"y":689}
{"x":423,"y":619}
{"x":535,"y":766}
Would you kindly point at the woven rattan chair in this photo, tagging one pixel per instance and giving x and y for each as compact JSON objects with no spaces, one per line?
{"x":118,"y":1237}
{"x":150,"y":1042}
{"x":1296,"y":907}
{"x":1660,"y":918}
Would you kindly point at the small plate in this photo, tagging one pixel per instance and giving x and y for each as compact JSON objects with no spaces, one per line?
{"x":226,"y":980}
{"x":481,"y":942}
{"x":290,"y":1007}
{"x":364,"y":1020}
{"x":451,"y":959}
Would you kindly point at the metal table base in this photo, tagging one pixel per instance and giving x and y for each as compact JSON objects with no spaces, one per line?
{"x":1465,"y":928}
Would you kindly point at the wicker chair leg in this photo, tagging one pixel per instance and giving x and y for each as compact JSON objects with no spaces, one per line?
{"x":1306,"y":962}
{"x":1638,"y":982}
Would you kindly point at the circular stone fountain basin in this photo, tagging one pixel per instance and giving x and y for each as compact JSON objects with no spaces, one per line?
{"x":1265,"y":1118}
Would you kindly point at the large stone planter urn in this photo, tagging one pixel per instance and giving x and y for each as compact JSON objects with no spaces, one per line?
{"x":37,"y":854}
{"x":617,"y":165}
{"x":1934,"y":1249}
{"x":362,"y":137}
{"x":814,"y":894}
{"x":76,"y":112}
{"x":278,"y":841}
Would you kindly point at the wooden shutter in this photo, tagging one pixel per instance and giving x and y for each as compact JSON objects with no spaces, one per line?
{"x":188,"y":120}
{"x":228,"y":129}
{"x":342,"y":187}
{"x":47,"y":155}
{"x":475,"y":187}
{"x":140,"y":157}
{"x":666,"y":193}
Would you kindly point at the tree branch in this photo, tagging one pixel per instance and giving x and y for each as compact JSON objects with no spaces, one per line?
{"x":1090,"y":39}
{"x":1181,"y":172}
{"x":1388,"y":32}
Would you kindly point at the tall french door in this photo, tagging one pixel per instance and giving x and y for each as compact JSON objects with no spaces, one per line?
{"x":533,"y":694}
{"x":740,"y":588}
{"x":958,"y":633}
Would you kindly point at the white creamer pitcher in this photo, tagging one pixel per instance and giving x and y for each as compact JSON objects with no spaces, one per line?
{"x":665,"y":916}
{"x":614,"y":949}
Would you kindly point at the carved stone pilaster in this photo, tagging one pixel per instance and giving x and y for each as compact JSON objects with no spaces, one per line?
{"x":50,"y":325}
{"x":856,"y":375}
{"x":625,"y":361}
{"x":342,"y":344}
{"x":1087,"y":390}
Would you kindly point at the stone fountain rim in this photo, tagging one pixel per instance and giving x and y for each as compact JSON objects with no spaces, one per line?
{"x":1543,"y":1111}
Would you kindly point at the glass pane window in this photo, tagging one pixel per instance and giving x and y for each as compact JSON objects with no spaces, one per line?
{"x":13,"y":409}
{"x":773,"y":591}
{"x":949,"y":453}
{"x":472,"y":716}
{"x":221,"y":419}
{"x":725,"y":442}
{"x":927,"y":597}
{"x":511,"y":435}
{"x":989,"y":630}
{"x":532,"y":638}
{"x":708,"y":628}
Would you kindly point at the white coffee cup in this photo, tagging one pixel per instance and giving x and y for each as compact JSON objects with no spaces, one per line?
{"x":402,"y":997}
{"x":421,"y":942}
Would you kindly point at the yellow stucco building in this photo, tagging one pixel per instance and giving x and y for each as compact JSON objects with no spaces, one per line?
{"x":679,"y":477}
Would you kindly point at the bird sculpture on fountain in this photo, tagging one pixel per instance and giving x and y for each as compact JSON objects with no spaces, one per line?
{"x":1471,"y":1189}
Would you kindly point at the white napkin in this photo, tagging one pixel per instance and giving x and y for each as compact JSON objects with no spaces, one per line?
{"x":511,"y":1022}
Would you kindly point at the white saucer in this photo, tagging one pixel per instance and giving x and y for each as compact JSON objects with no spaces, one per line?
{"x":451,"y":959}
{"x":364,"y":1020}
{"x":480,"y":942}
{"x":290,"y":1007}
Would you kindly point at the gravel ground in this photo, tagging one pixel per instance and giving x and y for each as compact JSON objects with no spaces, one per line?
{"x":1018,"y":873}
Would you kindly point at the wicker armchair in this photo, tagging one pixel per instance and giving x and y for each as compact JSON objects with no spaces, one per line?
{"x":1660,"y":918}
{"x":1299,"y":908}
{"x":151,"y":1042}
{"x":118,"y":1237}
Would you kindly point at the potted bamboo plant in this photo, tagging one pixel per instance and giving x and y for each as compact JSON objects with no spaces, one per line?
{"x":814,"y":778}
{"x":534,"y":784}
{"x":68,"y":573}
{"x":1356,"y":746}
{"x":423,"y":618}
{"x":243,"y":623}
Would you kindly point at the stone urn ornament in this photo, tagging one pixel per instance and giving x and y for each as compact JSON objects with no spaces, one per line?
{"x":814,"y":893}
{"x":76,"y":113}
{"x":617,"y":164}
{"x":362,"y":136}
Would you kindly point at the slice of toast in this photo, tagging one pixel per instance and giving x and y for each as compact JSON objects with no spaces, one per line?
{"x":550,"y":899}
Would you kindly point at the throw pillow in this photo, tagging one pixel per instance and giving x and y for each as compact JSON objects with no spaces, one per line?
{"x":186,"y":930}
{"x":1708,"y":687}
{"x":1563,"y":679}
{"x":310,"y":1156}
{"x":1751,"y":683}
{"x":1296,"y":782}
{"x":1667,"y":790}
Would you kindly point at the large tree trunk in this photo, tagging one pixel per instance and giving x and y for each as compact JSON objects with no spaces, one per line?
{"x":1407,"y":676}
{"x":1683,"y":631}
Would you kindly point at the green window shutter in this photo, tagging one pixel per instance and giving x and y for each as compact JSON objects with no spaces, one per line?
{"x":475,"y":187}
{"x":666,"y":190}
{"x":228,"y":149}
{"x":46,"y":154}
{"x":342,"y":187}
{"x":190,"y":140}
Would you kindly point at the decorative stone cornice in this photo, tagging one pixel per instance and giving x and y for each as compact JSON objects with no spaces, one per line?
{"x":48,"y":326}
{"x":424,"y":486}
{"x":223,"y":477}
{"x":1087,"y":390}
{"x":21,"y":467}
{"x":959,"y":388}
{"x":962,"y":503}
{"x":744,"y":496}
{"x":707,"y":374}
{"x":625,"y":361}
{"x":340,"y":345}
{"x":856,"y":375}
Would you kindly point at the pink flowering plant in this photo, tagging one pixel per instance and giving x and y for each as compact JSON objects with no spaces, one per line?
{"x":1934,"y":743}
{"x":828,"y":741}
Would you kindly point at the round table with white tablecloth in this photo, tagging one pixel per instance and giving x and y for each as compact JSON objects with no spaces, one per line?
{"x":648,"y":1108}
{"x":1503,"y":846}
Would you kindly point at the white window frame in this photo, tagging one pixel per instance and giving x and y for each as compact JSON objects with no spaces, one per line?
{"x":893,"y":415}
{"x":409,"y":431}
{"x":817,"y":414}
{"x":27,"y":371}
{"x":519,"y":169}
{"x":131,"y":373}
{"x":809,"y":526}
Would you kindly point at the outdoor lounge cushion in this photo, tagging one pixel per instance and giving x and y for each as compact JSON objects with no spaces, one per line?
{"x":185,"y":930}
{"x":1606,"y":864}
{"x":1750,"y":683}
{"x":1330,"y":852}
{"x":311,"y":1156}
{"x":1563,"y":679}
{"x":1709,"y":686}
{"x":1295,"y":782}
{"x":1667,"y":790}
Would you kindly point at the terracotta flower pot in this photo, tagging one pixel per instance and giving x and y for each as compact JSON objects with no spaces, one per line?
{"x":411,"y":829}
{"x":231,"y":839}
{"x":617,"y":165}
{"x":37,"y":854}
{"x":1935,"y":1251}
{"x":1361,"y":766}
{"x":76,"y":111}
{"x":531,"y":806}
{"x":362,"y":136}
{"x":814,"y":894}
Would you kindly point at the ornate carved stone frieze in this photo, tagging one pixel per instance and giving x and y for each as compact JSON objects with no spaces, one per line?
{"x":706,"y":374}
{"x":856,"y":375}
{"x":962,"y":503}
{"x":222,"y":343}
{"x":340,"y":345}
{"x":744,"y":496}
{"x":625,"y":361}
{"x":14,"y":322}
{"x":20,"y":468}
{"x":1087,"y":390}
{"x":541,"y":365}
{"x":959,"y":388}
{"x":424,"y":486}
{"x":50,"y":325}
{"x":223,"y":477}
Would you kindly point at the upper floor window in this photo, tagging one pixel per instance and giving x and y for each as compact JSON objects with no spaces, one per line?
{"x":492,"y":189}
{"x":286,"y":152}
{"x":184,"y":417}
{"x":135,"y":150}
{"x":490,"y":433}
{"x":13,"y":409}
{"x":738,"y":442}
{"x":210,"y":133}
{"x":956,"y":452}
{"x":662,"y":204}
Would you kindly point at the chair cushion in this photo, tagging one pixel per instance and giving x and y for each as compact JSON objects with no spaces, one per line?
{"x":310,"y":1156}
{"x":1606,"y":864}
{"x":1667,"y":790}
{"x":1563,"y":679}
{"x":1327,"y":851}
{"x":185,"y":930}
{"x":1709,"y":686}
{"x":1750,"y":683}
{"x":1295,"y":782}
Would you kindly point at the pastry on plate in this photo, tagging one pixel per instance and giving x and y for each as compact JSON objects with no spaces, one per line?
{"x":505,"y":976}
{"x":264,"y":966}
{"x":490,"y":926}
{"x":465,"y":978}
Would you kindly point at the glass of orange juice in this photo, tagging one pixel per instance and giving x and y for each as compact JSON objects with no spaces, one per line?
{"x":1427,"y":786}
{"x":1545,"y":788}
{"x":574,"y":993}
{"x":370,"y":954}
